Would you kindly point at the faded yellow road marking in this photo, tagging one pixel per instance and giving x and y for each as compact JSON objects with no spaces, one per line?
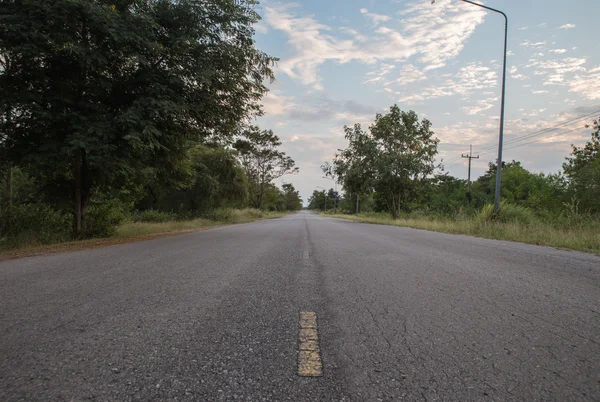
{"x":309,"y":354}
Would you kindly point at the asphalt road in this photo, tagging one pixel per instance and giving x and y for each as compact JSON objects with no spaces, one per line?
{"x":403,"y":314}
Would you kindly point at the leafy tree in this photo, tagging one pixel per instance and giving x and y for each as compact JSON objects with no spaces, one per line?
{"x":519,"y":186}
{"x":582,"y":170}
{"x":293,"y":202}
{"x":262,"y":161}
{"x":215,"y":180}
{"x":393,"y":158}
{"x":104,"y":89}
{"x":443,"y":194}
{"x":317,"y":200}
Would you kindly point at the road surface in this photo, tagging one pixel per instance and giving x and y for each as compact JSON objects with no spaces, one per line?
{"x":402,"y":314}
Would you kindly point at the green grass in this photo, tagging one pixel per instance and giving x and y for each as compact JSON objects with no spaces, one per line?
{"x":222,"y":217}
{"x":132,"y":231}
{"x":582,"y":237}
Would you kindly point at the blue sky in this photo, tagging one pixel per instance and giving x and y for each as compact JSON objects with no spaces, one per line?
{"x":343,"y":61}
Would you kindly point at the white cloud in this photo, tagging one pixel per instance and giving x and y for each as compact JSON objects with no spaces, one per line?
{"x":379,"y":74}
{"x":539,"y":92}
{"x":512,"y":70}
{"x":557,"y":69}
{"x":354,"y":34}
{"x":480,"y":106}
{"x":528,"y":43}
{"x":375,"y":18}
{"x":473,"y":77}
{"x":587,"y":85}
{"x":433,"y":34}
{"x":261,"y":28}
{"x":408,"y":74}
{"x":558,"y":51}
{"x":543,"y":25}
{"x":567,"y":26}
{"x":275,"y":104}
{"x":523,"y":28}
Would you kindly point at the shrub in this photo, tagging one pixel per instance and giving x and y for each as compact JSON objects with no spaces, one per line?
{"x":153,"y":216}
{"x":221,"y":214}
{"x":102,"y":220}
{"x":34,"y":224}
{"x":249,"y":213}
{"x":506,"y":213}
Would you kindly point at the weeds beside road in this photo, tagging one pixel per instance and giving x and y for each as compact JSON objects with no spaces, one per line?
{"x":140,"y":227}
{"x":576,"y":233}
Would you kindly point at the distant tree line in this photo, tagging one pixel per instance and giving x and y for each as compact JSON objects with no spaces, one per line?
{"x":390,"y":168}
{"x":132,"y":105}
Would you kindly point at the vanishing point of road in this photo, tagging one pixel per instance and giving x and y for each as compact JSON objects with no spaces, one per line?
{"x":238,"y":312}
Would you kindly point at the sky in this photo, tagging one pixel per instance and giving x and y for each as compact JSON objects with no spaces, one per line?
{"x":344,"y":61}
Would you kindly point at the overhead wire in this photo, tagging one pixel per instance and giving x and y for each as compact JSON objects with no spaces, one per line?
{"x":542,"y":131}
{"x":517,"y":142}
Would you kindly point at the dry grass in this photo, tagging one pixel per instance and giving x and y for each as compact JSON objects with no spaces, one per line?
{"x":583,"y":238}
{"x":136,"y":231}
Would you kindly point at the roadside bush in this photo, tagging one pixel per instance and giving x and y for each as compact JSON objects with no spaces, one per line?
{"x":33,"y":224}
{"x":249,"y":213}
{"x":153,"y":216}
{"x":102,"y":220}
{"x":221,"y":214}
{"x":506,"y":213}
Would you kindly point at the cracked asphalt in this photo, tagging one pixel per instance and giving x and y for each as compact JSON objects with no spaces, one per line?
{"x":403,"y":314}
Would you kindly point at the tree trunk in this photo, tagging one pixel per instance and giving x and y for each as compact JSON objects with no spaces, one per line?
{"x":10,"y":186}
{"x":77,"y":198}
{"x":85,"y":184}
{"x":393,"y":209}
{"x":82,"y":189}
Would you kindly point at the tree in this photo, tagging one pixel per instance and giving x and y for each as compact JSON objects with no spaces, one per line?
{"x":582,"y":170}
{"x":396,"y":154}
{"x":106,"y":89}
{"x":215,"y":179}
{"x":262,"y":161}
{"x":293,"y":202}
{"x":316,"y":200}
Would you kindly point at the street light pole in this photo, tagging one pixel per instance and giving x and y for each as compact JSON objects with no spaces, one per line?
{"x":501,"y":134}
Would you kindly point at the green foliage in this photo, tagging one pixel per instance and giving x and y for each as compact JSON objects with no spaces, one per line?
{"x":97,"y":92}
{"x":582,"y":169}
{"x":102,"y":219}
{"x":506,"y":213}
{"x":152,"y":215}
{"x":33,"y":224}
{"x":293,"y":202}
{"x":392,"y":159}
{"x":262,"y":161}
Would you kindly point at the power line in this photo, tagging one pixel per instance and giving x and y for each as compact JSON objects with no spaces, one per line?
{"x":537,"y":140}
{"x":542,"y":131}
{"x":520,"y":145}
{"x":515,"y":141}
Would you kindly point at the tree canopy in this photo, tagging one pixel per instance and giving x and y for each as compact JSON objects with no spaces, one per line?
{"x":98,"y":90}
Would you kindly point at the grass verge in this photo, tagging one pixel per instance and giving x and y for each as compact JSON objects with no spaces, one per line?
{"x":136,"y":231}
{"x":582,"y":238}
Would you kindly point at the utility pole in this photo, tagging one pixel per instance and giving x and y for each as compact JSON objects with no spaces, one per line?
{"x":357,"y":203}
{"x":469,"y":157}
{"x":501,"y":133}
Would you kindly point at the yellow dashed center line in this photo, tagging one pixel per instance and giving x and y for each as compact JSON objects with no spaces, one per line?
{"x":309,"y":354}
